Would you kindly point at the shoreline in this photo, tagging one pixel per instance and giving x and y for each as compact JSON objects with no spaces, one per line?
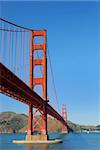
{"x":50,"y":132}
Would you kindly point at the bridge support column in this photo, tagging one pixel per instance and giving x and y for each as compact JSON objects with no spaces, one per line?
{"x":44,"y":129}
{"x":64,"y":115}
{"x":30,"y":122}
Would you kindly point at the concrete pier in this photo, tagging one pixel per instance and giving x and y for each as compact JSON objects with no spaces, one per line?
{"x":37,"y":139}
{"x":55,"y":141}
{"x":64,"y":132}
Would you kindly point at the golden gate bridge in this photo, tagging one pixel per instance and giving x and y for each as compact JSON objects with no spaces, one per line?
{"x":23,"y":68}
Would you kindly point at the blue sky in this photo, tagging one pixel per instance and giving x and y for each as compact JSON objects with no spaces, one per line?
{"x":73,"y":35}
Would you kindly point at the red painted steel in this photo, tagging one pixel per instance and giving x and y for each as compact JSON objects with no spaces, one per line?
{"x":64,"y":115}
{"x":39,"y":81}
{"x":12,"y":86}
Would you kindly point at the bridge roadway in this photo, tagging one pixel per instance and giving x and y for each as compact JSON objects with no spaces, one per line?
{"x":14,"y":87}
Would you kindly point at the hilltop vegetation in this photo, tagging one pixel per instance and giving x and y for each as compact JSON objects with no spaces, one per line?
{"x":12,"y":122}
{"x":98,"y":127}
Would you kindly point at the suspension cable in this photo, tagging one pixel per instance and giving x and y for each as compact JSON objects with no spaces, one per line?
{"x":15,"y":24}
{"x":23,"y":29}
{"x":53,"y":79}
{"x":2,"y":41}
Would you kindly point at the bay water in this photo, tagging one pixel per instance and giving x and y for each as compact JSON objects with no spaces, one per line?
{"x":71,"y":141}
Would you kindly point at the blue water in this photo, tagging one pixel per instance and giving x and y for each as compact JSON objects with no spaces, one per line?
{"x":72,"y":141}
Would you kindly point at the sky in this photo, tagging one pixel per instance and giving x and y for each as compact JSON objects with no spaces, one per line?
{"x":73,"y":35}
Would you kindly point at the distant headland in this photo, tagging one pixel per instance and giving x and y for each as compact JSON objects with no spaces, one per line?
{"x":11,"y":122}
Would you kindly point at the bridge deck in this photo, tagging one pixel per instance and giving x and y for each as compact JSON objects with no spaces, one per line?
{"x":14,"y":87}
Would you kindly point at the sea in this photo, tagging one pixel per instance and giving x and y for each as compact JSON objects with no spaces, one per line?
{"x":71,"y":141}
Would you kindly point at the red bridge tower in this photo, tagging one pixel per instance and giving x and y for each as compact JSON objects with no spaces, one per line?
{"x":38,"y":81}
{"x":64,"y":115}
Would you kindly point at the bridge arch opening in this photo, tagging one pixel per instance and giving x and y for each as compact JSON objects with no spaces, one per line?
{"x":38,"y":40}
{"x":38,"y":71}
{"x":38,"y":54}
{"x":38,"y":89}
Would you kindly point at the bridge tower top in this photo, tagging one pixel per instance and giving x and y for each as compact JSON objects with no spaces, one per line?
{"x":38,"y":62}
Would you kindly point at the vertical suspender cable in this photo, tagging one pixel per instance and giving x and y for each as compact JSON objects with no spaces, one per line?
{"x":14,"y":51}
{"x":21,"y":53}
{"x":24,"y":55}
{"x":21,"y":66}
{"x":11,"y":50}
{"x":18,"y":52}
{"x":53,"y":80}
{"x":27,"y":54}
{"x":9,"y":45}
{"x":2,"y":39}
{"x":0,"y":43}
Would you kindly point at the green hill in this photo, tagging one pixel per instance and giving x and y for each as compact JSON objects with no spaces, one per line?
{"x":98,"y":127}
{"x":12,"y":122}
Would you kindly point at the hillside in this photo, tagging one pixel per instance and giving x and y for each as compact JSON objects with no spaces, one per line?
{"x":12,"y":122}
{"x":98,"y":127}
